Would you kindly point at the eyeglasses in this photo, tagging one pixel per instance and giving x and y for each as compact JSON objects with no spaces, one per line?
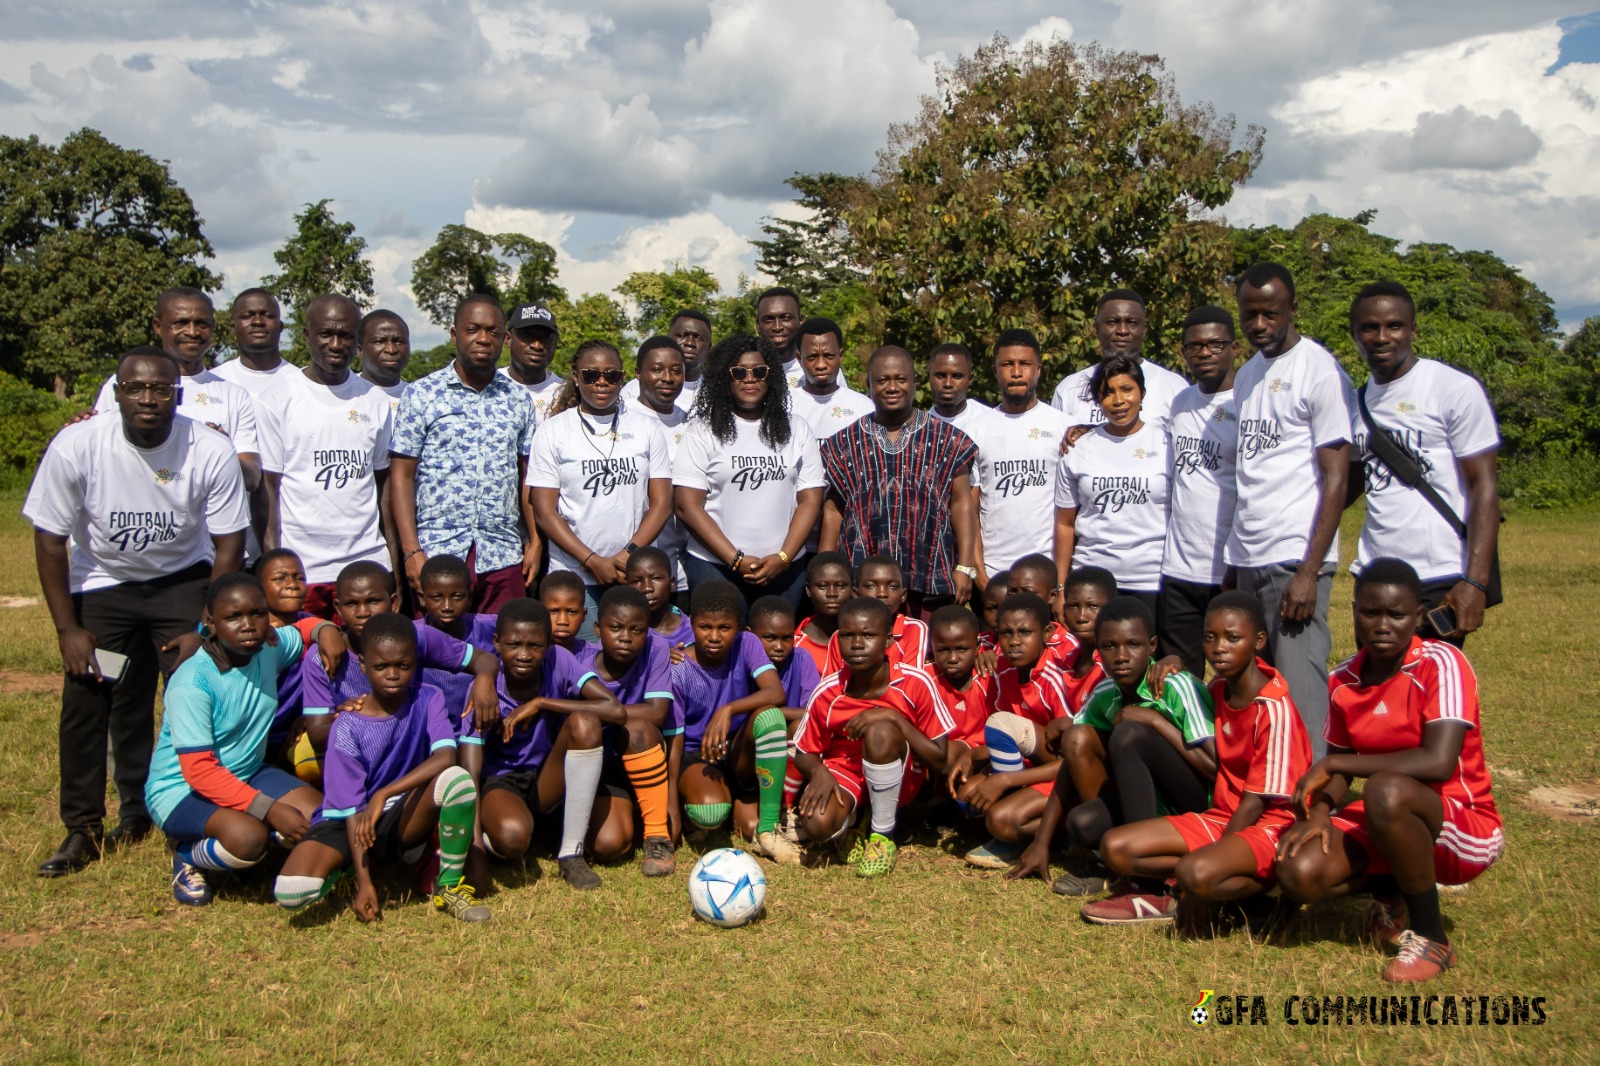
{"x":753,"y":373}
{"x":134,"y":390}
{"x":590,"y":376}
{"x":1209,"y":347}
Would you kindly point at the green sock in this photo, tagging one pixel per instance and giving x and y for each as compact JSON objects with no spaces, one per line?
{"x":708,"y":815}
{"x":772,"y":759}
{"x":457,"y":798}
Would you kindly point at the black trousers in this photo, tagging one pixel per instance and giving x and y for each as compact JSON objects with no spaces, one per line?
{"x":135,"y":619}
{"x":1180,"y":621}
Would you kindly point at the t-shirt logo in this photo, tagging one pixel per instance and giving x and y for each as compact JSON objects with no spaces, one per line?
{"x":1257,"y":435}
{"x":1112,"y":494}
{"x":338,"y":467}
{"x":602,"y":476}
{"x":1196,"y":453}
{"x":1143,"y":453}
{"x":1220,"y":415}
{"x":204,"y":399}
{"x":1227,"y":729}
{"x":167,"y":477}
{"x":1381,"y":708}
{"x":1405,"y":407}
{"x":1013,"y":477}
{"x":137,"y":530}
{"x":356,"y":417}
{"x":1278,"y":385}
{"x":1040,"y":434}
{"x":756,"y":470}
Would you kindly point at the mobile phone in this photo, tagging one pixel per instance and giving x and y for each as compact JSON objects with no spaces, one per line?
{"x":111,"y":664}
{"x":1443,"y":620}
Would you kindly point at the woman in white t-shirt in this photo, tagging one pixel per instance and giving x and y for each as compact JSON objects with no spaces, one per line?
{"x":598,"y":477}
{"x":747,"y":480}
{"x":1111,"y":488}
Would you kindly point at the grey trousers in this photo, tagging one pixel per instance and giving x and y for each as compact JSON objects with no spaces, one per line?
{"x":1297,"y":650}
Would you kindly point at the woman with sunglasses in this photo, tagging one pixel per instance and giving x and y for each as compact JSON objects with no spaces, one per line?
{"x":599,"y":477}
{"x":747,"y":480}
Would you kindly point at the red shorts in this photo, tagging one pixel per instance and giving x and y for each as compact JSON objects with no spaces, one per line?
{"x":319,"y":600}
{"x":1199,"y":830}
{"x":1469,"y":842}
{"x":848,"y":775}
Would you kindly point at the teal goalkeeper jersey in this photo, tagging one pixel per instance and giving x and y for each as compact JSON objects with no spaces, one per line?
{"x":1183,"y":701}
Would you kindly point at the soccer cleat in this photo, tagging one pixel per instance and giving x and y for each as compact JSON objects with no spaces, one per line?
{"x":853,"y":845}
{"x":779,"y":848}
{"x":460,"y":903}
{"x":77,"y":851}
{"x":994,"y":854}
{"x":189,"y":885}
{"x":1420,"y":959}
{"x":1071,"y":884}
{"x":1131,"y":908}
{"x":575,"y":872}
{"x":877,"y":858}
{"x":660,"y":857}
{"x":1387,"y":921}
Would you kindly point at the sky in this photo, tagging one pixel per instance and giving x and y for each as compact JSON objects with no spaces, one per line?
{"x":635,"y":134}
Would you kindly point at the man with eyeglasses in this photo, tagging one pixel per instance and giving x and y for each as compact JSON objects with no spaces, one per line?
{"x":134,"y":514}
{"x":458,"y":457}
{"x":1120,"y":327}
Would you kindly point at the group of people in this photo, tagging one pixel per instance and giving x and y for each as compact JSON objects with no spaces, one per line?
{"x":492,"y":606}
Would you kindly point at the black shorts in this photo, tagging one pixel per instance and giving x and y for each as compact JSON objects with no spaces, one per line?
{"x":522,"y":783}
{"x":724,"y":766}
{"x":386,"y":843}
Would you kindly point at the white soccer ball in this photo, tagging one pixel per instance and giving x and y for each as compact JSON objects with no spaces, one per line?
{"x":727,"y":887}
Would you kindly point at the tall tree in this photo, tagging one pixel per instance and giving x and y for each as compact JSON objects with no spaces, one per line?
{"x":90,"y":234}
{"x":594,"y":316}
{"x":323,"y":255}
{"x":1035,"y":179}
{"x":657,"y":295}
{"x":811,"y":254}
{"x":512,"y":268}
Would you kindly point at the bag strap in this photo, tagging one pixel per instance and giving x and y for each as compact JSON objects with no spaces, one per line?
{"x":1400,"y":463}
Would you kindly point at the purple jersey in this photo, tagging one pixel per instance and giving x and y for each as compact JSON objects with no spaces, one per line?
{"x":561,"y":678}
{"x":800,"y":679}
{"x":366,"y":753}
{"x":455,"y":683}
{"x":289,"y":695}
{"x":320,"y":694}
{"x":649,"y":678}
{"x":684,"y":634}
{"x":698,"y":691}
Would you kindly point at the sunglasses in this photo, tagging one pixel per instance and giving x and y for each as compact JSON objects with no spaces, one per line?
{"x":751,"y":373}
{"x":591,"y":376}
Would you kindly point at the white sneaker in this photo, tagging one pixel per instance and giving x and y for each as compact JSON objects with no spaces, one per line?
{"x":775,"y":846}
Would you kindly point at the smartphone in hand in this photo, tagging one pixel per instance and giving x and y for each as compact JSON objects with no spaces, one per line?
{"x":111,"y":664}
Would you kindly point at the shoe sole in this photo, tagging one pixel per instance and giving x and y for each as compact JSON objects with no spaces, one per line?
{"x":987,"y":862}
{"x":1141,"y":920}
{"x":664,"y":870}
{"x":1080,"y":890}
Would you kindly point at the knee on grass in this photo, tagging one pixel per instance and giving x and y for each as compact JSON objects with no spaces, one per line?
{"x":297,"y":892}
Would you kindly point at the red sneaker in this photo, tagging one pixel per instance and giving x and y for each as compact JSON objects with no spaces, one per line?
{"x":1420,"y":959}
{"x":1387,"y":921}
{"x":1131,"y":908}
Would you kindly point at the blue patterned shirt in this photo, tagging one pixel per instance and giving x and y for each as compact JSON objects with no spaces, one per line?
{"x":467,"y":445}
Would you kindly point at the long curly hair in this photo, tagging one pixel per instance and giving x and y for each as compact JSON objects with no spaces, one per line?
{"x":567,"y":395}
{"x":715,"y":401}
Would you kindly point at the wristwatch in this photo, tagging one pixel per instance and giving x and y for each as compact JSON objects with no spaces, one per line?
{"x":630,"y":547}
{"x":970,"y":571}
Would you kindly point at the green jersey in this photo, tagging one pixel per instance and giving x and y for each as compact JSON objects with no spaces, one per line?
{"x":1183,"y":701}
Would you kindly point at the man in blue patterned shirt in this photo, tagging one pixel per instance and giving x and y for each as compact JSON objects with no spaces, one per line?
{"x":458,"y":455}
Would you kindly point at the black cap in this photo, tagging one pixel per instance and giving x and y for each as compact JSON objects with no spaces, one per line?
{"x":533,"y":315}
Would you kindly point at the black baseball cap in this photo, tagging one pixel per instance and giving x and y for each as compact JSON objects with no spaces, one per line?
{"x":532,"y":316}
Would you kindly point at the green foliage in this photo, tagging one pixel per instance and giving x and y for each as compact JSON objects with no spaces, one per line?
{"x":811,"y":254}
{"x":658,"y":295}
{"x":1033,"y":181}
{"x":595,"y":316}
{"x":323,"y":255}
{"x":512,"y":268}
{"x":90,"y":234}
{"x":29,"y":418}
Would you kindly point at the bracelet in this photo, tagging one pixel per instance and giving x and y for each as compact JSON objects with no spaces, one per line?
{"x":737,"y":557}
{"x":1481,"y":588}
{"x":586,"y":559}
{"x":784,"y":556}
{"x":409,"y":554}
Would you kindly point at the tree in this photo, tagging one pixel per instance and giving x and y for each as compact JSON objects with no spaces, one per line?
{"x":811,"y":254}
{"x":658,"y":295}
{"x":595,"y":316}
{"x":1036,"y":179}
{"x":90,"y":234}
{"x":462,"y":261}
{"x":323,"y":255}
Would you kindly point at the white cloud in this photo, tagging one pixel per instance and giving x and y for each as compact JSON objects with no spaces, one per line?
{"x":1464,"y":139}
{"x":1047,"y":30}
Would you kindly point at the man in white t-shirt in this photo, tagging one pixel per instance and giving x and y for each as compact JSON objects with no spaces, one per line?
{"x":777,"y":323}
{"x":1017,"y":455}
{"x":1292,"y":473}
{"x":257,"y":331}
{"x":384,"y":347}
{"x":325,"y":456}
{"x":1120,"y":327}
{"x":823,"y":399}
{"x":949,"y":380}
{"x":691,"y":332}
{"x":532,"y":340}
{"x":134,"y":513}
{"x":1442,"y":419}
{"x":1204,"y":438}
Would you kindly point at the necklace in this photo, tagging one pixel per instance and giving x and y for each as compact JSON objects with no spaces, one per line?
{"x":593,"y":432}
{"x":895,"y":446}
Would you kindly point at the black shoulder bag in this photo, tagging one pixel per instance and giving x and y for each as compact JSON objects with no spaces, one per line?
{"x":1409,"y":473}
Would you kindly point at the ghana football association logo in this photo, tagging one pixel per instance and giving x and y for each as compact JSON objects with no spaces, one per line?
{"x":356,"y":417}
{"x":1200,"y":1014}
{"x":165,"y":476}
{"x":1278,"y":385}
{"x":1405,"y":407}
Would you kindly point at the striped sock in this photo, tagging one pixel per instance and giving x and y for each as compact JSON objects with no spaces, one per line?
{"x":1004,"y":755}
{"x":209,"y":854}
{"x":708,"y":815}
{"x":772,"y":759}
{"x":647,"y":773}
{"x":294,"y":893}
{"x":457,"y":798}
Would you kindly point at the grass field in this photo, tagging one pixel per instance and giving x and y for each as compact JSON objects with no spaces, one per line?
{"x":936,"y":964}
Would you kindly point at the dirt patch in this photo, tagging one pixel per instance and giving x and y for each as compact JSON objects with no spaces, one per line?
{"x":16,"y":681}
{"x":21,"y":941}
{"x":19,"y":601}
{"x":1569,"y":803}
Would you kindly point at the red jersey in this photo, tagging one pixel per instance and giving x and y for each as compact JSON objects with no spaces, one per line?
{"x":1078,"y":689}
{"x":1435,"y":684}
{"x":969,"y":710}
{"x":1040,"y":699}
{"x":1263,"y":748}
{"x":908,"y":644}
{"x":1060,"y":646}
{"x":817,"y":650}
{"x":911,"y":691}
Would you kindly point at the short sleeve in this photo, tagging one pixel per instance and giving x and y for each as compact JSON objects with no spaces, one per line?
{"x":657,"y":456}
{"x":245,"y":438}
{"x":1336,"y":730}
{"x":55,"y":499}
{"x":1451,"y":685}
{"x":1098,"y":711}
{"x":658,"y":669}
{"x":754,"y":655}
{"x":380,"y":445}
{"x":692,"y":464}
{"x":544,"y":464}
{"x":316,"y":688}
{"x":189,"y":716}
{"x":1469,"y":423}
{"x":441,"y":734}
{"x":344,"y":776}
{"x":932,"y":716}
{"x":440,"y":650}
{"x":1067,"y":483}
{"x":812,"y":735}
{"x":1329,"y":400}
{"x":529,"y":416}
{"x":269,"y":433}
{"x":291,"y":646}
{"x":227,"y":510}
{"x":410,"y":424}
{"x":1272,"y":766}
{"x":1189,"y":705}
{"x":810,"y":474}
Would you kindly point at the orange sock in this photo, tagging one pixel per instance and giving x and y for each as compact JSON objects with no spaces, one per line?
{"x":647,"y":773}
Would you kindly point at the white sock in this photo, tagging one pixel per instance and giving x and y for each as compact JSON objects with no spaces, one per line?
{"x":294,"y":892}
{"x":883,"y":787}
{"x":583,"y":783}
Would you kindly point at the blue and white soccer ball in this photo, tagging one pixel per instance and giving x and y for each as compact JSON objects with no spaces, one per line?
{"x":727,"y":887}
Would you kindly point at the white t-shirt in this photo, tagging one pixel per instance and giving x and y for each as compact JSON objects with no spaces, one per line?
{"x":1160,"y":387}
{"x":973,"y":417}
{"x":1204,"y":438}
{"x":207,"y":399}
{"x":394,"y":392}
{"x":684,"y":402}
{"x":750,"y":487}
{"x":326,"y":443}
{"x":1017,"y":458}
{"x":794,"y":374}
{"x":673,"y":538}
{"x":831,"y":413}
{"x":604,"y":483}
{"x":255,"y":382}
{"x":1288,"y":407}
{"x":132,"y":514}
{"x":1119,"y":487}
{"x":543,"y":394}
{"x":1440,"y":415}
